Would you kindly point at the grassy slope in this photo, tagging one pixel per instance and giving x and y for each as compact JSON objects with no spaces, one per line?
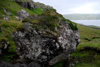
{"x":13,"y":7}
{"x":5,"y":36}
{"x":38,"y":11}
{"x":88,"y":33}
{"x":11,"y":25}
{"x":87,"y":52}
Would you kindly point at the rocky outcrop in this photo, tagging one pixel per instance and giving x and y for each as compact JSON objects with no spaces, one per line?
{"x":22,"y":14}
{"x":26,"y":3}
{"x":8,"y":13}
{"x":41,"y":41}
{"x":30,"y":4}
{"x":44,"y":46}
{"x":5,"y":17}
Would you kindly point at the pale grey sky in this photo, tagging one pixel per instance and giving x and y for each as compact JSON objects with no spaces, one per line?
{"x":74,"y":6}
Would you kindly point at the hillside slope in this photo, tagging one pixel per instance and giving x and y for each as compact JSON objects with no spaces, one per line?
{"x":35,"y":35}
{"x":87,"y":53}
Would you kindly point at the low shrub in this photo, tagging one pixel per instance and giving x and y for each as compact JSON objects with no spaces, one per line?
{"x":25,"y":20}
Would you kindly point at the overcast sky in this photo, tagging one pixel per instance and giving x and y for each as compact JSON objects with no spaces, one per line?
{"x":74,"y":6}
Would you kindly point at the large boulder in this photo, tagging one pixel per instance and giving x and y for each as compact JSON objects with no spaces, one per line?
{"x":26,"y":3}
{"x":45,"y":46}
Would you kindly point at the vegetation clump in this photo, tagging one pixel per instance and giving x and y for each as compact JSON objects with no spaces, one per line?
{"x":44,"y":21}
{"x":38,"y":11}
{"x":72,"y":25}
{"x":25,"y":20}
{"x":49,"y":21}
{"x":35,"y":21}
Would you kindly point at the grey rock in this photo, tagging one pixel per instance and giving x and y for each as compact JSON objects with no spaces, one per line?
{"x":3,"y":46}
{"x":17,"y":18}
{"x":8,"y":13}
{"x":4,"y":64}
{"x":34,"y":64}
{"x":26,"y":4}
{"x":19,"y":65}
{"x":30,"y":4}
{"x":5,"y":17}
{"x":26,"y":26}
{"x":7,"y":64}
{"x":59,"y":58}
{"x":22,"y":14}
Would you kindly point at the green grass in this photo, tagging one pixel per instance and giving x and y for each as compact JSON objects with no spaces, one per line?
{"x":38,"y":10}
{"x":87,"y":65}
{"x":86,"y":59}
{"x":88,"y":33}
{"x":7,"y":28}
{"x":89,"y":57}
